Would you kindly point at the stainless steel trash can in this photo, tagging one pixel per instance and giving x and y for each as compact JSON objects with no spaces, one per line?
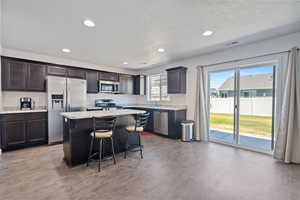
{"x":187,"y":130}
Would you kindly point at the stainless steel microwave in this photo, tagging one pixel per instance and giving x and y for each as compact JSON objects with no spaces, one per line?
{"x":109,"y":87}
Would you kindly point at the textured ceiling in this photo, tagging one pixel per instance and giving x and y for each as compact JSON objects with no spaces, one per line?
{"x":133,"y":30}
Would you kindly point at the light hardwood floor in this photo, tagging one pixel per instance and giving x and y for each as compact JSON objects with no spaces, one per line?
{"x":170,"y":170}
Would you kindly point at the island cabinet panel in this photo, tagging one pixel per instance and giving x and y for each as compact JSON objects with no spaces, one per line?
{"x":77,"y":139}
{"x":108,"y":76}
{"x":13,"y":74}
{"x":56,"y":70}
{"x":23,"y":130}
{"x":36,"y":77}
{"x":176,"y":80}
{"x":92,"y":79}
{"x":76,"y":73}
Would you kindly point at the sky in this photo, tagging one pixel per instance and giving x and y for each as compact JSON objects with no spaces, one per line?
{"x":218,"y":78}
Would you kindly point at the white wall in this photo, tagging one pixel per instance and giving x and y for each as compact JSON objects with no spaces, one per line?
{"x":282,"y":43}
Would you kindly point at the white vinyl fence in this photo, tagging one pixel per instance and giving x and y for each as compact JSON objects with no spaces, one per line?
{"x":261,"y":106}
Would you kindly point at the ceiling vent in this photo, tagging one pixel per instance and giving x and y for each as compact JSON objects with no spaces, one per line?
{"x":232,"y":43}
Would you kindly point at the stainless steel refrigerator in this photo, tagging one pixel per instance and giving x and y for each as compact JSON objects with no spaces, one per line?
{"x":64,"y":95}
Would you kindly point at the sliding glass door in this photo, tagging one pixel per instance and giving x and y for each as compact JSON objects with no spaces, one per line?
{"x":242,"y":106}
{"x":222,"y":115}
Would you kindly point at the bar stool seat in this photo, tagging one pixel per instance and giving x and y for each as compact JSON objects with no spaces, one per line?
{"x":133,"y":129}
{"x":101,"y":134}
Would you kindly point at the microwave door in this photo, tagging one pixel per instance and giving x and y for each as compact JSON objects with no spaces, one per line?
{"x":106,"y":87}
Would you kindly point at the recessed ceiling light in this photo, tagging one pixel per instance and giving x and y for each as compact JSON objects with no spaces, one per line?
{"x":125,"y":63}
{"x":89,"y":23}
{"x":66,"y":50}
{"x":161,"y":50}
{"x":207,"y":33}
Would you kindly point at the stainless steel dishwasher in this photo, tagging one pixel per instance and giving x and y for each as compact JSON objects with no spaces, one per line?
{"x":161,"y":119}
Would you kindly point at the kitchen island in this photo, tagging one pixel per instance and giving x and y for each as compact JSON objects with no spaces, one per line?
{"x":79,"y":125}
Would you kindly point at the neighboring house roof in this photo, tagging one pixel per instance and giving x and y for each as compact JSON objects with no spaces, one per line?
{"x":257,"y":81}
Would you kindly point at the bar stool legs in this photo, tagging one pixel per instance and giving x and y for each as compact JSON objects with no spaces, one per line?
{"x":100,"y":155}
{"x":101,"y":151}
{"x":141,"y":149}
{"x":139,"y":145}
{"x":113,"y":149}
{"x":126,"y":146}
{"x":90,"y":152}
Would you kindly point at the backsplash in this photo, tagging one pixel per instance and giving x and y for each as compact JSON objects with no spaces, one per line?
{"x":12,"y":99}
{"x":118,"y":98}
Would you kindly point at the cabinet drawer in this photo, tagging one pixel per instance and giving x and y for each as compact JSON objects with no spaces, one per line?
{"x":23,"y":116}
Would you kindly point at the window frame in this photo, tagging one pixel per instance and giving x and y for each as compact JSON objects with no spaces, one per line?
{"x":165,"y":97}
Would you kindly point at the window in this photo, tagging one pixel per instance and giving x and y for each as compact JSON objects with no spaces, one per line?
{"x":158,"y":87}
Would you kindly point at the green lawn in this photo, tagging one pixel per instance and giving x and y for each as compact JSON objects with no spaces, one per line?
{"x":256,"y":125}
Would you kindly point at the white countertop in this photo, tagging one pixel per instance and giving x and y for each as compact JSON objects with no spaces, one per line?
{"x":104,"y":113}
{"x":94,"y":108}
{"x":162,"y":107}
{"x":21,"y":111}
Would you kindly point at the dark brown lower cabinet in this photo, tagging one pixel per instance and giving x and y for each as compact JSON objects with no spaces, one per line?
{"x":36,"y":130}
{"x":23,"y":130}
{"x":14,"y":134}
{"x":171,"y":124}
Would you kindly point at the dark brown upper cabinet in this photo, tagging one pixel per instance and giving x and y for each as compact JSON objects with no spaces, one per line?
{"x":13,"y":74}
{"x":139,"y":85}
{"x":76,"y":73}
{"x":177,"y":80}
{"x":56,"y":70}
{"x":24,"y":76}
{"x":92,"y":79}
{"x":36,"y":77}
{"x":108,"y":76}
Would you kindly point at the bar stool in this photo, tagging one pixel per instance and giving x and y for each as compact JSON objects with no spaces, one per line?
{"x":139,"y":126}
{"x":103,"y":128}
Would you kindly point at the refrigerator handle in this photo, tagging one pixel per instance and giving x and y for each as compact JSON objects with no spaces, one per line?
{"x":62,"y":101}
{"x":67,"y":97}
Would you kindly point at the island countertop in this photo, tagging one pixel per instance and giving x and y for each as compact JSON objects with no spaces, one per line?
{"x":102,"y":113}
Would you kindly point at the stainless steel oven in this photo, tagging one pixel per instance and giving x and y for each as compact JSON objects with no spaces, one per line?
{"x":109,"y":87}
